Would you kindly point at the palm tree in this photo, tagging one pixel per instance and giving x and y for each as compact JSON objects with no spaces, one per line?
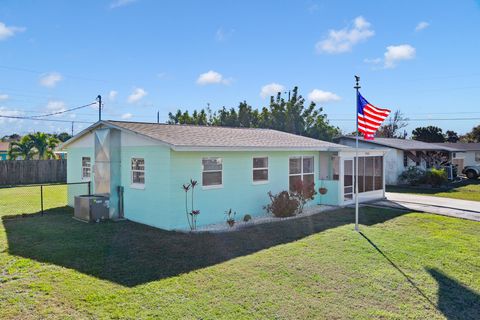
{"x":23,"y":148}
{"x":44,"y":144}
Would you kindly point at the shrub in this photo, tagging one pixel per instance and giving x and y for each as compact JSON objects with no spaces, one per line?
{"x":282,"y":204}
{"x":247,"y":218}
{"x":413,"y":176}
{"x":303,"y":192}
{"x":436,"y":177}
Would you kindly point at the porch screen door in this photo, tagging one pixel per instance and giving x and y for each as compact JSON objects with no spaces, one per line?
{"x":348,"y":179}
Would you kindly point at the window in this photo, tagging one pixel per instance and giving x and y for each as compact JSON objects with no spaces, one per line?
{"x":477,"y":156}
{"x":336,"y":167}
{"x":212,"y":172}
{"x":260,"y":169}
{"x":370,"y":173}
{"x":138,"y":171}
{"x":301,"y":169}
{"x":86,"y":168}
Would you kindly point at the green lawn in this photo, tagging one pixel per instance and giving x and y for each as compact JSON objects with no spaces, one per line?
{"x":405,"y":265}
{"x":469,"y":190}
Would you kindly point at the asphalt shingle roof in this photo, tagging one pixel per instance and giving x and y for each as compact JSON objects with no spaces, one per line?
{"x":407,"y":144}
{"x":461,"y":146}
{"x":208,"y":136}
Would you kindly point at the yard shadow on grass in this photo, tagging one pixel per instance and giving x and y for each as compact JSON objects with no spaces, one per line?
{"x":130,"y":254}
{"x":455,"y":300}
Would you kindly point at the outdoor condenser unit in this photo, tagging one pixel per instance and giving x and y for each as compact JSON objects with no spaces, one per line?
{"x":91,"y":208}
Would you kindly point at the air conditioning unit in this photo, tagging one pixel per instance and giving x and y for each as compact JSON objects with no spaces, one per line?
{"x":91,"y":208}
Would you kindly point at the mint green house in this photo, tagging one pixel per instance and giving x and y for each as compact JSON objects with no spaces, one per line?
{"x":142,"y":167}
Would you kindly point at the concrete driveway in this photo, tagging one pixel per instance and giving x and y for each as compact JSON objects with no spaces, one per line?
{"x":444,"y":206}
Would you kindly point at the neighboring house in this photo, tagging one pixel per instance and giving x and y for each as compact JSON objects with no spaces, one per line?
{"x":404,"y":153}
{"x":4,"y":147}
{"x":469,"y":154}
{"x":235,"y":168}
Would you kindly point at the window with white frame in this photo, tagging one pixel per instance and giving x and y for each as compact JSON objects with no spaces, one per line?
{"x":301,"y":168}
{"x":212,"y":171}
{"x":138,"y":171}
{"x":86,"y":168}
{"x":260,"y":169}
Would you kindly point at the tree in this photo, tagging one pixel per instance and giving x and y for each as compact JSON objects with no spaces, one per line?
{"x":472,"y":136}
{"x":428,"y":134}
{"x":451,"y":136}
{"x":64,"y":136}
{"x":393,"y":126}
{"x":284,"y":115}
{"x":23,"y":148}
{"x":12,"y":137}
{"x":44,"y":144}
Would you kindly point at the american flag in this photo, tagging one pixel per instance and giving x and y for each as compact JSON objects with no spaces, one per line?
{"x":369,"y":117}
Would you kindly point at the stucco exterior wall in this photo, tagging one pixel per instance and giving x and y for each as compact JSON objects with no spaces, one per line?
{"x":238,"y":191}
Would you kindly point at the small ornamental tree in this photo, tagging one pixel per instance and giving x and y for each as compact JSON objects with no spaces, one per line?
{"x":303,"y":192}
{"x":191,"y":214}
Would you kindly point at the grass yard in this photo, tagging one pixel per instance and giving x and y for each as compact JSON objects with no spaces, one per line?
{"x":403,"y":266}
{"x":469,"y":190}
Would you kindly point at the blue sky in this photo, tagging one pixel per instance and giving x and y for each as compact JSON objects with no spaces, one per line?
{"x":421,"y":57}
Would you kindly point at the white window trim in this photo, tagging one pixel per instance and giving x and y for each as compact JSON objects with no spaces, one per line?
{"x":136,"y":185}
{"x":89,"y":167}
{"x":301,"y":174}
{"x":213,"y":186}
{"x":264,"y":168}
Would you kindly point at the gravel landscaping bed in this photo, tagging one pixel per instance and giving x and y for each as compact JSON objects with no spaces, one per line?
{"x":240,"y":224}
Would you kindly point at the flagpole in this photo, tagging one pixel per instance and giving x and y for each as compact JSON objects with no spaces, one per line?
{"x":357,"y":86}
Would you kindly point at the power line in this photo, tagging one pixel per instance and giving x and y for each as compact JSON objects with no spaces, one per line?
{"x":34,"y":119}
{"x":63,"y":111}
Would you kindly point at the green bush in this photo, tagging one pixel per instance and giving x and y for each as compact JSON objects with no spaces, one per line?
{"x":413,"y":176}
{"x":282,"y":204}
{"x":247,"y":217}
{"x":436,"y":177}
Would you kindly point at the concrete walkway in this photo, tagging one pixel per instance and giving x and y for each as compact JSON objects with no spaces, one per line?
{"x":444,"y":206}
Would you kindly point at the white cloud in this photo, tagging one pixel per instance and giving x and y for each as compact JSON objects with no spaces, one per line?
{"x":112,"y":95}
{"x":223,"y":35}
{"x":394,"y":54}
{"x":51,"y":79}
{"x":127,"y":116}
{"x":211,"y":77}
{"x":56,"y":106}
{"x":422,"y":25}
{"x":10,"y":113}
{"x":3,"y":97}
{"x":320,"y":96}
{"x":271,"y":89}
{"x":120,"y":3}
{"x":137,"y":95}
{"x":339,"y":41}
{"x":7,"y":32}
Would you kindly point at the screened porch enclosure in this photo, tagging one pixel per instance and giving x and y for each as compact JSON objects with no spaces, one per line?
{"x":371,"y":172}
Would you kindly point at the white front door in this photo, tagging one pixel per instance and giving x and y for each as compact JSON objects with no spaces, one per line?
{"x":348,"y":179}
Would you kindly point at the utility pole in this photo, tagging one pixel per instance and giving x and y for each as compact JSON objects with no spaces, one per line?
{"x":158,"y":116}
{"x":72,"y":127}
{"x":99,"y":99}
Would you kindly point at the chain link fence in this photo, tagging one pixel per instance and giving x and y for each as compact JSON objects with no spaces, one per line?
{"x":41,"y":199}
